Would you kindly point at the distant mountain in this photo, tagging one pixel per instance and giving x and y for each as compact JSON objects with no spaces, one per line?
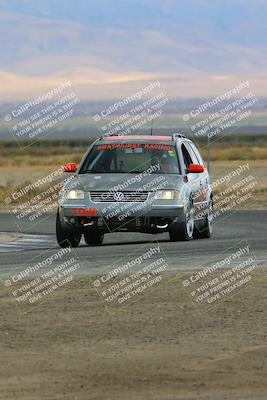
{"x":107,"y":41}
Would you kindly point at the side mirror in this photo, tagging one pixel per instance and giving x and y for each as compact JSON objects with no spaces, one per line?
{"x":70,"y":167}
{"x":195,"y":169}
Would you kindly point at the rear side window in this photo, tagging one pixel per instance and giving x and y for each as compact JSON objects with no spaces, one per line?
{"x":196,"y":153}
{"x":192,"y":154}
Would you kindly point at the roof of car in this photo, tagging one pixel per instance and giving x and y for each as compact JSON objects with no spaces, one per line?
{"x":163,"y":139}
{"x":140,"y":137}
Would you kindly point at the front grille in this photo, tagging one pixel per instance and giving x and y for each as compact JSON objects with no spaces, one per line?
{"x":118,"y":197}
{"x":135,"y":221}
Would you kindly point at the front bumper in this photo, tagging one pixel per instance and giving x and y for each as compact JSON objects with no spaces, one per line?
{"x":153,"y":217}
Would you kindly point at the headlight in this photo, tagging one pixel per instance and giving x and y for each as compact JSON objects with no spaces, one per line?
{"x":167,"y":195}
{"x":75,"y":194}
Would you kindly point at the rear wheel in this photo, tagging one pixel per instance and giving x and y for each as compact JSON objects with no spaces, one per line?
{"x":65,"y":237}
{"x":206,"y":230}
{"x":184,"y":230}
{"x":94,"y":238}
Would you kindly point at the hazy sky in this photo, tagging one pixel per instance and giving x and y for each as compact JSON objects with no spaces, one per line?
{"x":108,"y":48}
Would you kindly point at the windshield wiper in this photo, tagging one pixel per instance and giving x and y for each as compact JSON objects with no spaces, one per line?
{"x":90,"y":171}
{"x":134,"y":172}
{"x":110,"y":172}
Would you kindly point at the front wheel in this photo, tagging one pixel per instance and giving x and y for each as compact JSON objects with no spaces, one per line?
{"x":65,"y":237}
{"x":94,"y":238}
{"x":183,"y":230}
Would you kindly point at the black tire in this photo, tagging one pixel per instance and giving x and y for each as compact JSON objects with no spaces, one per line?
{"x":184,"y":230}
{"x":94,"y":238}
{"x":205,"y":231}
{"x":65,"y":237}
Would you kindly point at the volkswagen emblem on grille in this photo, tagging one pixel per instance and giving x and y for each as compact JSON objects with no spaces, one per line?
{"x":118,"y":196}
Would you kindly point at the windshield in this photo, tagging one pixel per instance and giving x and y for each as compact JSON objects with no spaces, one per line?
{"x":131,"y":158}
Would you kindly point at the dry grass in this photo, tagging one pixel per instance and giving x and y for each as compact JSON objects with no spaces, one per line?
{"x":233,"y":152}
{"x":17,"y":167}
{"x":36,"y":156}
{"x":15,"y":157}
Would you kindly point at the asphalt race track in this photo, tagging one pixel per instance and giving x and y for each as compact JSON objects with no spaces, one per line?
{"x":36,"y":241}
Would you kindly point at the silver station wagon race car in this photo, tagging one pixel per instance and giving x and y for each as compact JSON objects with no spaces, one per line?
{"x":147,"y":184}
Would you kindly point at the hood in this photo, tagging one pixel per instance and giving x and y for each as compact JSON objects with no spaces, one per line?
{"x":121,"y":182}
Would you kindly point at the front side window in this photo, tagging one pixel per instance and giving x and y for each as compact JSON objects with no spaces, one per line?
{"x":186,"y":156}
{"x":131,"y":158}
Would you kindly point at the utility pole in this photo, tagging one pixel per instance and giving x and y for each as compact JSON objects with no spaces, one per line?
{"x":209,"y":154}
{"x":151,"y":127}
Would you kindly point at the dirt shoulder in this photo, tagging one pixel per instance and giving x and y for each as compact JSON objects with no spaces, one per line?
{"x":158,"y":348}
